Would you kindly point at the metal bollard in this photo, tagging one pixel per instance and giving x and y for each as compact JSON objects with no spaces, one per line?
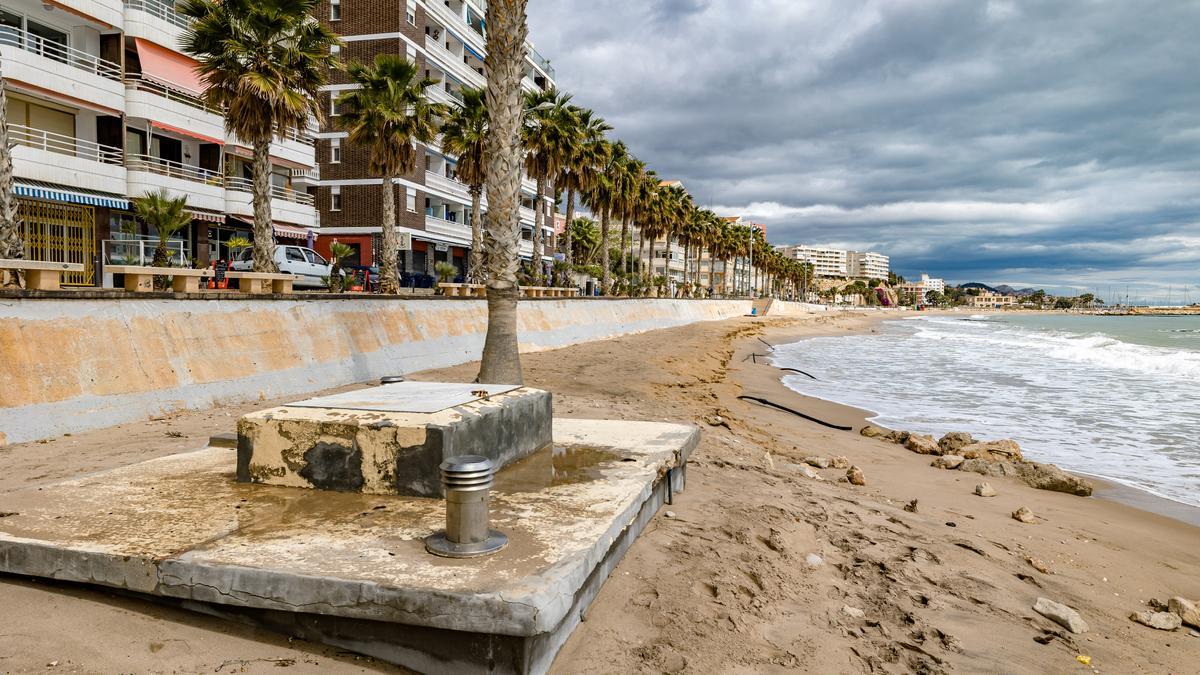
{"x":468,"y":482}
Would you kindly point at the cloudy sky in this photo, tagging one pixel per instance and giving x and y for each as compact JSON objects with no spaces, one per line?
{"x":1050,"y":143}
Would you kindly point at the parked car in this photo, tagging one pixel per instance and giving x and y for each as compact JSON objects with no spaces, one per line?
{"x":313,"y":270}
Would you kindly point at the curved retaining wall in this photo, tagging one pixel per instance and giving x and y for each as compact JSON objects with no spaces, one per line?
{"x":71,"y":365}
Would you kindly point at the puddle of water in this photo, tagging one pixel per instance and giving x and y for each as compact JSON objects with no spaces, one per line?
{"x":553,"y":466}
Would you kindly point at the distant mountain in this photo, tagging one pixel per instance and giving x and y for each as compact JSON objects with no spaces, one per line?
{"x":976,"y":284}
{"x":1003,"y":289}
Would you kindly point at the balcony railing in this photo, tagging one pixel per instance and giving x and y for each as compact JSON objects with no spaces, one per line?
{"x":64,"y":145}
{"x":308,"y":174}
{"x":139,"y":250}
{"x":173,"y":169}
{"x":239,"y":184}
{"x":22,"y":39}
{"x":161,"y":9}
{"x":139,"y":83}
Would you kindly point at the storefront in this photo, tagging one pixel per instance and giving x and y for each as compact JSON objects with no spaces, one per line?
{"x":62,"y":224}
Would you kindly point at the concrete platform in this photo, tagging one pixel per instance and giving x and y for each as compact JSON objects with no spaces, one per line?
{"x":350,"y":569}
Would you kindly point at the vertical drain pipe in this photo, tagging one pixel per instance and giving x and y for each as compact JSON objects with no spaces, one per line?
{"x":467,"y":481}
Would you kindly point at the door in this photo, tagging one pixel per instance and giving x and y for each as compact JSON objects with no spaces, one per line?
{"x":294,"y":262}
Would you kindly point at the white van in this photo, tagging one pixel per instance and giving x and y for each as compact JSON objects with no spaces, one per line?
{"x":307,"y":264}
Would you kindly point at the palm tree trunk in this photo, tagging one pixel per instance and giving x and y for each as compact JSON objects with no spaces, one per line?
{"x":566,"y":240}
{"x":539,"y":221}
{"x":506,"y":58}
{"x":642,"y":267}
{"x":604,"y":262}
{"x":650,"y":265}
{"x":475,"y":270}
{"x":12,"y":244}
{"x":624,"y":235}
{"x":388,"y":283}
{"x":264,"y":232}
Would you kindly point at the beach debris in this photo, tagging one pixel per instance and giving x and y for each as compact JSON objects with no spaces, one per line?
{"x":1186,"y":609}
{"x":770,"y":462}
{"x":669,"y":514}
{"x":853,"y":611}
{"x":1084,"y":659}
{"x":985,"y":490}
{"x":985,"y":468}
{"x":954,"y":441}
{"x":951,"y":523}
{"x":1024,"y":515}
{"x":807,"y":471}
{"x":1159,"y":620}
{"x":1037,"y":564}
{"x":947,"y":462}
{"x":716,"y":421}
{"x":1061,"y":615}
{"x":839,"y":462}
{"x":1050,"y":477}
{"x":911,"y":507}
{"x":819,"y":462}
{"x":922,"y":444}
{"x":856,"y":476}
{"x":813,"y":560}
{"x":1006,"y":450}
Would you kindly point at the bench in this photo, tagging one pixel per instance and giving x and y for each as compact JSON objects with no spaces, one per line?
{"x":41,"y":275}
{"x":464,"y":290}
{"x":255,"y":282}
{"x":140,"y":278}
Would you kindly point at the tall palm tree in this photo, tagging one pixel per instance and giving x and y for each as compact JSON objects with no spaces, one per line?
{"x":388,"y":114}
{"x":587,"y":152}
{"x":603,"y":198}
{"x":546,"y":134}
{"x":264,"y":62}
{"x":506,"y":65}
{"x":628,"y":195}
{"x":464,"y":133}
{"x":12,"y":244}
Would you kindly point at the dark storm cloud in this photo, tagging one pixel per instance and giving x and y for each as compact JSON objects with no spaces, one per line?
{"x":1050,"y":143}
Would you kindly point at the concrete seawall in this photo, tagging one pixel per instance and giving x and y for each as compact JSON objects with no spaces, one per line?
{"x":71,"y":365}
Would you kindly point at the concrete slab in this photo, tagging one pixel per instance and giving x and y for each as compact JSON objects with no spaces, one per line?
{"x":350,"y":569}
{"x":385,"y":441}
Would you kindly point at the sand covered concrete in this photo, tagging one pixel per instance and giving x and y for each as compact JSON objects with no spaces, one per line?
{"x":757,"y":568}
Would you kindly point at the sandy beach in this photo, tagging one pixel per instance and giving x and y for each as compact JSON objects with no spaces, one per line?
{"x":755,"y":568}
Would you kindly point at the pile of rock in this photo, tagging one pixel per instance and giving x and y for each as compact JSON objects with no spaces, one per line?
{"x":959,"y":451}
{"x":1177,"y":612}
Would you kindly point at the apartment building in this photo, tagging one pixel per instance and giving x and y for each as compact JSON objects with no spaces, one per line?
{"x":446,"y":39}
{"x":990,"y":300}
{"x":102,"y":107}
{"x":840,"y":263}
{"x":921,"y":289}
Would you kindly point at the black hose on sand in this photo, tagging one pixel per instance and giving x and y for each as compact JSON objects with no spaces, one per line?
{"x":823,"y":423}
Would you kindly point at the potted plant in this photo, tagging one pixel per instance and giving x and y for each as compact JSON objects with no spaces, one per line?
{"x":445,"y":274}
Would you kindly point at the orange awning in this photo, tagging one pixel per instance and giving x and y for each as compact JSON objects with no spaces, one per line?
{"x":185,"y":132}
{"x":169,"y":67}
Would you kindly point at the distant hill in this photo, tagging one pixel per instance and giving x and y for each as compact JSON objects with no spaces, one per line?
{"x":976,"y":284}
{"x":1003,"y":289}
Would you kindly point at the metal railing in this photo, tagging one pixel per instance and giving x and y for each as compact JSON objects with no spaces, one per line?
{"x":239,"y":184}
{"x":36,"y":44}
{"x":19,"y":134}
{"x":541,"y":61}
{"x":173,"y":169}
{"x":139,"y":83}
{"x":139,"y":250}
{"x":162,"y":9}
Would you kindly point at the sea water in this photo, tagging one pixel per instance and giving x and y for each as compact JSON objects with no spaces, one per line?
{"x":1116,"y":397}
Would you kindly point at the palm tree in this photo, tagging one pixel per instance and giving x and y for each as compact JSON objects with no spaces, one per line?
{"x":603,"y":198}
{"x":389,"y":114}
{"x":628,"y":196}
{"x":464,"y":134}
{"x":337,"y":253}
{"x":12,"y":244}
{"x":264,"y":62}
{"x":506,"y":66}
{"x":167,"y":216}
{"x":586,"y":153}
{"x":546,"y":134}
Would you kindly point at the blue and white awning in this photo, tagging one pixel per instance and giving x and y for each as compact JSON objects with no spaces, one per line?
{"x":36,"y":189}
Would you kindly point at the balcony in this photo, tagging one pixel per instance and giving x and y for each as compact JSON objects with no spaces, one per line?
{"x":58,"y":68}
{"x":150,"y":100}
{"x":157,"y":21}
{"x":306,"y":177}
{"x":106,"y":11}
{"x":202,"y":188}
{"x":287,"y":205}
{"x":457,"y":233}
{"x":448,"y":60}
{"x":296,"y":147}
{"x":447,"y":187}
{"x":45,"y":155}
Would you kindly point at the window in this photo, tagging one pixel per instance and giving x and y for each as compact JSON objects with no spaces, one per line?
{"x":412,"y":12}
{"x":411,"y":197}
{"x":335,"y":49}
{"x":333,"y":104}
{"x":335,"y":151}
{"x":335,"y":10}
{"x":314,"y":257}
{"x":335,"y":198}
{"x":294,"y":254}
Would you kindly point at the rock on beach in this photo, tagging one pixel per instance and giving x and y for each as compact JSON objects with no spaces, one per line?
{"x":954,"y":441}
{"x":922,"y":444}
{"x":1050,"y":477}
{"x":1159,"y":620}
{"x":1061,"y":615}
{"x":947,"y":462}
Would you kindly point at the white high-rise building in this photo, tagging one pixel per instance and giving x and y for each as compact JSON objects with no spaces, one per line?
{"x":836,"y":262}
{"x":867,"y":265}
{"x":104,"y":106}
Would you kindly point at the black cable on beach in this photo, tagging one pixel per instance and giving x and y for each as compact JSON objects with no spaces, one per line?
{"x":795,"y":412}
{"x":766,"y":343}
{"x":794,"y":370}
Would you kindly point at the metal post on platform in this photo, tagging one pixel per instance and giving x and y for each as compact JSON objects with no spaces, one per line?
{"x":468,"y":482}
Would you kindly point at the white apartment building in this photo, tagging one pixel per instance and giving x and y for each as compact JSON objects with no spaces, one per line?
{"x":840,"y":263}
{"x":447,"y":41}
{"x":103,"y":106}
{"x":921,"y":289}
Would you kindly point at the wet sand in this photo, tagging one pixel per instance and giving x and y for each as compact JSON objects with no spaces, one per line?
{"x":724,"y":582}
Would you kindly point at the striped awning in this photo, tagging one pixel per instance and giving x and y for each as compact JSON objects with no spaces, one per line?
{"x":291,"y":231}
{"x":206,"y":215}
{"x":36,"y":189}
